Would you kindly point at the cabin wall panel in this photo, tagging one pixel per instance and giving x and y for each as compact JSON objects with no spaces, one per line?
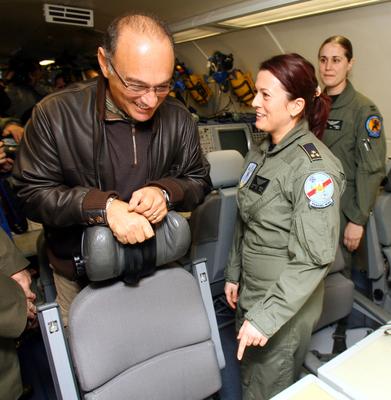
{"x":368,"y":27}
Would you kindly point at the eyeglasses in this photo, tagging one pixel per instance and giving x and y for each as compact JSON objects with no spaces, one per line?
{"x":141,"y":90}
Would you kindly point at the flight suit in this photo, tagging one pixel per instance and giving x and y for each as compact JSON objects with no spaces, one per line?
{"x":285,"y":238}
{"x":355,"y":135}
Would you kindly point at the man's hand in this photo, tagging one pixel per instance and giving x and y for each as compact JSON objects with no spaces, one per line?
{"x":352,"y":236}
{"x":249,"y":336}
{"x":15,"y":130}
{"x":231,"y":293}
{"x":128,"y":227}
{"x":23,"y":278}
{"x":149,"y":202}
{"x":6,"y":163}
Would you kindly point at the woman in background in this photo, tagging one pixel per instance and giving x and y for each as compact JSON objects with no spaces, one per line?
{"x":287,"y":230}
{"x":354,"y":133}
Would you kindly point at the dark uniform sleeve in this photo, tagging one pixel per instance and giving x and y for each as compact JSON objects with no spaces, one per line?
{"x":13,"y":306}
{"x":312,"y":246}
{"x":370,"y":154}
{"x":234,"y":264}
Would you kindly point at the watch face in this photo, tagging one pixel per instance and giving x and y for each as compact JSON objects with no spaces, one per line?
{"x":166,"y":196}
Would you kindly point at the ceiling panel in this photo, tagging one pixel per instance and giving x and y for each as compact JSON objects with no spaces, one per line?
{"x":23,"y":29}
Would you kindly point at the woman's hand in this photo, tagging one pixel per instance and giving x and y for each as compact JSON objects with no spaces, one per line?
{"x":352,"y":236}
{"x":249,"y":336}
{"x":231,"y":293}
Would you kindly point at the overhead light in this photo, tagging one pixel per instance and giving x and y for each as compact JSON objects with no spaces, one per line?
{"x":43,"y":63}
{"x":292,"y":11}
{"x":227,"y":12}
{"x":197,"y":33}
{"x":254,"y":13}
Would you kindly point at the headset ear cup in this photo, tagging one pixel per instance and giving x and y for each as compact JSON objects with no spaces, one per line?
{"x":106,"y":258}
{"x":102,"y":254}
{"x":173,"y":238}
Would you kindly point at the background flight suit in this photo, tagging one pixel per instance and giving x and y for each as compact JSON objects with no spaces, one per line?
{"x":282,"y":248}
{"x":355,"y":135}
{"x":13,"y":317}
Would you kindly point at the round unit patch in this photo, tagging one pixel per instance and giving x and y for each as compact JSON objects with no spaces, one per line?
{"x":247,"y":173}
{"x":373,"y":126}
{"x":319,"y":189}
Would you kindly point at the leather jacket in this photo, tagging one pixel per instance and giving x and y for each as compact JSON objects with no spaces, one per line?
{"x":63,"y":173}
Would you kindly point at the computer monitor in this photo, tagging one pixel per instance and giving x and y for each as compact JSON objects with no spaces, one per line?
{"x":236,"y":136}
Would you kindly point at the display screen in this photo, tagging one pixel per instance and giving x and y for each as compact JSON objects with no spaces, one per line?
{"x":233,"y":139}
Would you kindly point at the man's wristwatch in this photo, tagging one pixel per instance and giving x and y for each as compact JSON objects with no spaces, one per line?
{"x":108,"y":204}
{"x":167,"y":197}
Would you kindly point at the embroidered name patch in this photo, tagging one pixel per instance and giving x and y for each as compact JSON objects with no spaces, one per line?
{"x":259,"y":184}
{"x":247,"y":173}
{"x":319,"y":189}
{"x":373,"y":126}
{"x":334,"y":124}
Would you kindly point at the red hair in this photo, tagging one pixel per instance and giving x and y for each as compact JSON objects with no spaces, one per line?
{"x":297,"y":76}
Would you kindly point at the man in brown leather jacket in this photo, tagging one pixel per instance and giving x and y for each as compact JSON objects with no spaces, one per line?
{"x":114,"y":151}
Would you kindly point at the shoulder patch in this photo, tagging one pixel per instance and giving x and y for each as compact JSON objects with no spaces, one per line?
{"x":319,"y":189}
{"x":311,"y":151}
{"x":373,"y":125}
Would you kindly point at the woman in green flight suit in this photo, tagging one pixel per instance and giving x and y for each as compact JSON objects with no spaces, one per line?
{"x":287,"y":230}
{"x":354,"y":133}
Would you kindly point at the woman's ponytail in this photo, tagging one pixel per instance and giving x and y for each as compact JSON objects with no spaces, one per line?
{"x":318,"y":114}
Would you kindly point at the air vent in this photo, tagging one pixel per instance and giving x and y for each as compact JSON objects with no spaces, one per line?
{"x":58,"y":14}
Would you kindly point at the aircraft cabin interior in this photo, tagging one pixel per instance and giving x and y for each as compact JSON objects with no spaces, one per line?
{"x":171,"y":334}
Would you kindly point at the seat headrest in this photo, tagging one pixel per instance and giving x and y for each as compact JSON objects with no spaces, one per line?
{"x":225,"y":167}
{"x":105,"y":258}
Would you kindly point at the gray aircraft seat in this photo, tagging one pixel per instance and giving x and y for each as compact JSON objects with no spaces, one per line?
{"x":387,"y":185}
{"x":147,"y":342}
{"x":154,"y":339}
{"x":212,"y":223}
{"x":377,"y":257}
{"x":378,"y":237}
{"x":382,"y":212}
{"x":338,"y":294}
{"x":337,"y":304}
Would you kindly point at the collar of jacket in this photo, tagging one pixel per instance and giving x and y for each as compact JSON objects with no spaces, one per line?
{"x":296,"y":132}
{"x":345,"y":97}
{"x":112,"y":112}
{"x":101,"y":97}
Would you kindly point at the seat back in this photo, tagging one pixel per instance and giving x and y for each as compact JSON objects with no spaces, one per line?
{"x":338,"y":294}
{"x":378,"y":248}
{"x":382,"y":213}
{"x":212,"y":223}
{"x":387,"y":185}
{"x":150,"y":341}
